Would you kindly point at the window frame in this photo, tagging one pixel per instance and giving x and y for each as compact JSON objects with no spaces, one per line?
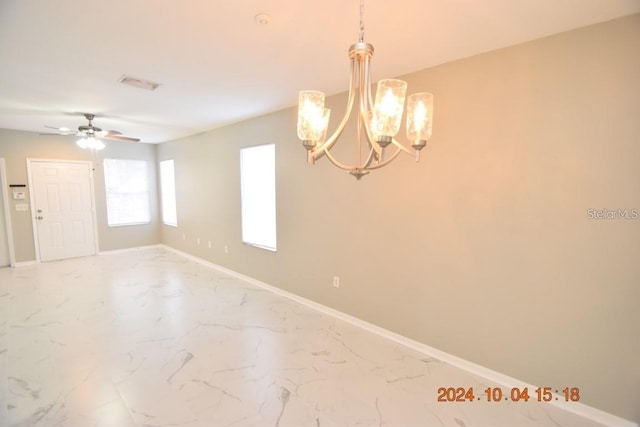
{"x":146,"y":192}
{"x":248,"y":201}
{"x":163,"y":198}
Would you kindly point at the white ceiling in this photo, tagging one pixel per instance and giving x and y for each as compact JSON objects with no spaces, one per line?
{"x":217,"y":66}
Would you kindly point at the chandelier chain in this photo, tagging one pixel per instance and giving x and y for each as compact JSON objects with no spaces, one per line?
{"x":361,"y":21}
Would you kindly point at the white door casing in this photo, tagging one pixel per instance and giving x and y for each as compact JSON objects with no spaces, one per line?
{"x":6,"y":243}
{"x":62,"y":209}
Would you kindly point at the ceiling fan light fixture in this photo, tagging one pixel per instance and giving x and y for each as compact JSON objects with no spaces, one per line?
{"x":139,"y":83}
{"x":90,"y":142}
{"x":91,"y":136}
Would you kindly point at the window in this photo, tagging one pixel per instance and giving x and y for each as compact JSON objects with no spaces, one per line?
{"x":258,"y":195}
{"x":168,"y":193}
{"x":127,"y":188}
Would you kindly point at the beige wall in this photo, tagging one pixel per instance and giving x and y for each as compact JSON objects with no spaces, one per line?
{"x":484,"y":249}
{"x":16,"y":147}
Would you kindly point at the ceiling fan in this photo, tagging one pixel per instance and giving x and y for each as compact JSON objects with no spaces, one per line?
{"x":91,"y":131}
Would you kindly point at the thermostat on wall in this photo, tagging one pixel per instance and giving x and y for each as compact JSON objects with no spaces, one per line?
{"x":18,"y":195}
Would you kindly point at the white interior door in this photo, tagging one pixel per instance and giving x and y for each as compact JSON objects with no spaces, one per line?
{"x":63,"y":209}
{"x":4,"y":238}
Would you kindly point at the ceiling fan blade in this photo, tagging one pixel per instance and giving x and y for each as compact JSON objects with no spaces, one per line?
{"x":121,"y":138}
{"x":63,"y":130}
{"x":89,"y":130}
{"x":61,"y":133}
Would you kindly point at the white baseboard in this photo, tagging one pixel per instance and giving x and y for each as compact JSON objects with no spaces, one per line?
{"x":577,"y":408}
{"x":136,"y":248}
{"x":24,"y":264}
{"x":115,"y":251}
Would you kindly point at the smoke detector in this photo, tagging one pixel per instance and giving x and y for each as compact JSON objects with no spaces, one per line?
{"x":262,"y":19}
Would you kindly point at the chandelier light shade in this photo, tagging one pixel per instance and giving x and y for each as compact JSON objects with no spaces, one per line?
{"x":378,"y":122}
{"x":312,"y":116}
{"x":419,"y":118}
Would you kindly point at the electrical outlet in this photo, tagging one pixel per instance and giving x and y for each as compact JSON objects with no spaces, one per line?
{"x":336,"y":281}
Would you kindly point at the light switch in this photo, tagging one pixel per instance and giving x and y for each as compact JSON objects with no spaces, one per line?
{"x":22,"y":207}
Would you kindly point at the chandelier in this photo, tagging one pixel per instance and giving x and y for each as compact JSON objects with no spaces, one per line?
{"x":378,"y":123}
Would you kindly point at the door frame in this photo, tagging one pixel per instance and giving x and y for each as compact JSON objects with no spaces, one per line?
{"x":34,"y":224}
{"x":7,"y":212}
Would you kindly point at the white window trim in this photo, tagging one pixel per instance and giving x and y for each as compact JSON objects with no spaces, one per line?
{"x":142,"y":192}
{"x":249,"y":236}
{"x":163,"y":195}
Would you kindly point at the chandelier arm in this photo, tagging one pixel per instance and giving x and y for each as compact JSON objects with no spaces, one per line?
{"x":375,"y":151}
{"x":399,"y":148}
{"x":403,"y":148}
{"x":361,"y":82}
{"x":366,"y":102}
{"x":319,"y":151}
{"x":363,"y":116}
{"x":371,"y":158}
{"x":336,"y":162}
{"x":364,"y":92}
{"x":386,"y":162}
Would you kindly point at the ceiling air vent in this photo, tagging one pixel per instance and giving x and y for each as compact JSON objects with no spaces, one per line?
{"x":140,"y":83}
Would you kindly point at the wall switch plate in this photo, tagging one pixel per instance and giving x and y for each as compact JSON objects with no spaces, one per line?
{"x":22,"y":207}
{"x":336,"y":281}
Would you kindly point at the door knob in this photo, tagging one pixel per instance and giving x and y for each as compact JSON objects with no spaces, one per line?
{"x":39,"y":217}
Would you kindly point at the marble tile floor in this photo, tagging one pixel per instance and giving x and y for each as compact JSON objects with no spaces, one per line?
{"x":149,"y":338}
